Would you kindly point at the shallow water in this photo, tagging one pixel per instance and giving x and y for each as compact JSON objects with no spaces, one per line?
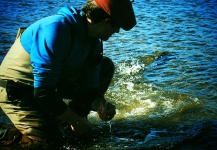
{"x":165,"y":84}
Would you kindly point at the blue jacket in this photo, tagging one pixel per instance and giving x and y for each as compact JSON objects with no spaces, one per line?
{"x":59,"y":47}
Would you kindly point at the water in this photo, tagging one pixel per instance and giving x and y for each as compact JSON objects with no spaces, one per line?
{"x":165,"y":84}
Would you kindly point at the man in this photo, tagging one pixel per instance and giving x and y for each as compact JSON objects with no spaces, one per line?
{"x":61,"y":57}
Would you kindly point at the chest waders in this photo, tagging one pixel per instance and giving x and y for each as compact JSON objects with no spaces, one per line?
{"x":25,"y":113}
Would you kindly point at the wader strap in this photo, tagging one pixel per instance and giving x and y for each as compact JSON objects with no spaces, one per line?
{"x":19,"y":32}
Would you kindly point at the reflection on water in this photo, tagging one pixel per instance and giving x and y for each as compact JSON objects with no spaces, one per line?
{"x":165,"y":84}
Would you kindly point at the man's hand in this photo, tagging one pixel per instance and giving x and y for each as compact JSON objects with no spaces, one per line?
{"x":79,"y":125}
{"x":105,"y":109}
{"x":81,"y":128}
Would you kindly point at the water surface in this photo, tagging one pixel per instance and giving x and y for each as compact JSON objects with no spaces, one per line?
{"x":165,"y":83}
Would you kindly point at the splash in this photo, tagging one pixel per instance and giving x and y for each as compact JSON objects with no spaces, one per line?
{"x":135,"y":97}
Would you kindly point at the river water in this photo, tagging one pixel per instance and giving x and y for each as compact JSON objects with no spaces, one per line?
{"x":165,"y":84}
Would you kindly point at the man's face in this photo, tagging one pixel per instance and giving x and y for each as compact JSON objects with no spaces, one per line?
{"x":107,"y":29}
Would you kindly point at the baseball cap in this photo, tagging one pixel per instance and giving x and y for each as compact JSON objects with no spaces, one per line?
{"x":120,"y":11}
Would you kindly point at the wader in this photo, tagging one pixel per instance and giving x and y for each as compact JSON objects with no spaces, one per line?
{"x":20,"y":107}
{"x":16,"y":96}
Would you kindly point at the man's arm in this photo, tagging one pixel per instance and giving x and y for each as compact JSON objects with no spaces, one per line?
{"x":49,"y":100}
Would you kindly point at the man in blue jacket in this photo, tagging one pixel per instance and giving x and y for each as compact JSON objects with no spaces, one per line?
{"x":61,"y":57}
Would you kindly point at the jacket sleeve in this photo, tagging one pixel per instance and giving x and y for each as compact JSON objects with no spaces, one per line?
{"x":48,"y":98}
{"x":50,"y":44}
{"x":91,"y":71}
{"x":49,"y":48}
{"x":90,"y":83}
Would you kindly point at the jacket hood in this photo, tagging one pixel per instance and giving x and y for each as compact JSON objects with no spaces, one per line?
{"x":76,"y":18}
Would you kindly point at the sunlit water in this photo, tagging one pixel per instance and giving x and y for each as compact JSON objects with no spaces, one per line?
{"x":165,"y":84}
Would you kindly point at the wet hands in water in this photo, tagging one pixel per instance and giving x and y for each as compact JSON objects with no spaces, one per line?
{"x":106,"y":110}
